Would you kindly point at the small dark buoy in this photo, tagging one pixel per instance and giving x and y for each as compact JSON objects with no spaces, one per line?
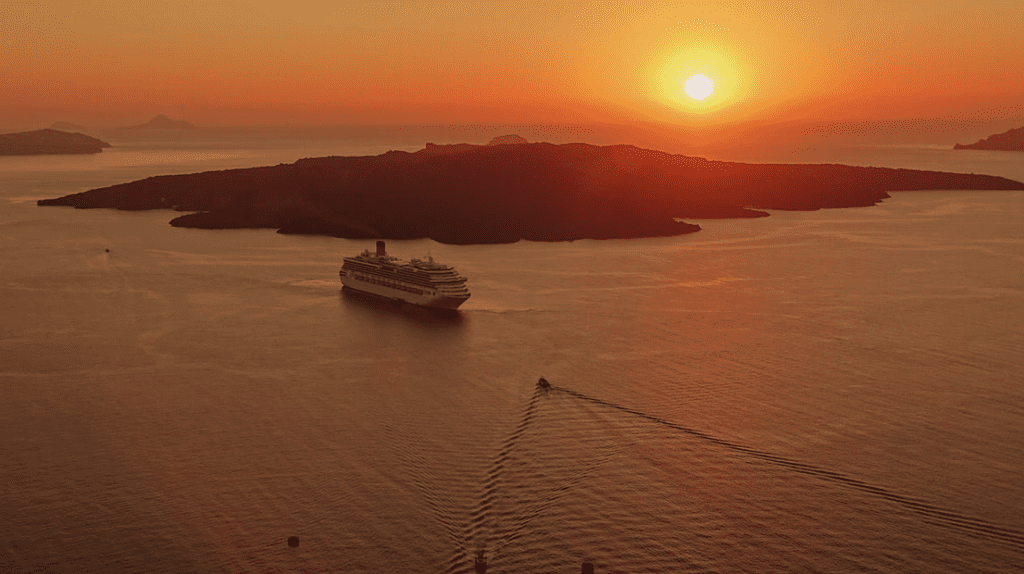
{"x":480,"y":564}
{"x":543,"y":383}
{"x":293,"y":541}
{"x":588,"y":568}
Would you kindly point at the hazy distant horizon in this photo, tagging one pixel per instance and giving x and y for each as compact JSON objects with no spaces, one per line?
{"x":939,"y":132}
{"x":313,"y":63}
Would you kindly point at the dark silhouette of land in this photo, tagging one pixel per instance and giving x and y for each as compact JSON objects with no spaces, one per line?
{"x":47,"y":141}
{"x":506,"y":140}
{"x":466,"y":193}
{"x":1012,"y":140}
{"x":162,"y":122}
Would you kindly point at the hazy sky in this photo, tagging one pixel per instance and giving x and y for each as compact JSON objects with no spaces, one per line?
{"x":276,"y":62}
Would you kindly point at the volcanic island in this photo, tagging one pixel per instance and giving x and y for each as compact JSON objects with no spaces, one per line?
{"x":1010,"y":140}
{"x":508,"y":190}
{"x":49,"y":141}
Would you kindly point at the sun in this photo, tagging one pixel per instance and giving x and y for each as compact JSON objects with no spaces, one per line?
{"x":702,"y":82}
{"x":699,"y":86}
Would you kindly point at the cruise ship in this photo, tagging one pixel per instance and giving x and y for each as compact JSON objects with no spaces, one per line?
{"x":426,"y":283}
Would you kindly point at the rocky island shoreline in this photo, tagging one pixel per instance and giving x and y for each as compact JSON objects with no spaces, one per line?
{"x":507,"y":191}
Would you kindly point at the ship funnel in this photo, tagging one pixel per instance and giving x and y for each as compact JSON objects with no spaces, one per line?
{"x":380,"y":249}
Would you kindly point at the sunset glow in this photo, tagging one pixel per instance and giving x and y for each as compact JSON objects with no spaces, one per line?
{"x":314,"y":63}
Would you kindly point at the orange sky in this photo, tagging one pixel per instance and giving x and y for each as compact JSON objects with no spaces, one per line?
{"x":216,"y":62}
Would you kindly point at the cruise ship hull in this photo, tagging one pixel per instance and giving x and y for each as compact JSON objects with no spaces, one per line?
{"x":379,"y":291}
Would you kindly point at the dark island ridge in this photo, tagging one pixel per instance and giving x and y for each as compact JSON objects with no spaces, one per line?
{"x":1010,"y":140}
{"x":49,"y":141}
{"x":465,"y":194}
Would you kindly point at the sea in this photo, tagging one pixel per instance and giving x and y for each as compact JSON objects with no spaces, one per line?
{"x":820,"y":391}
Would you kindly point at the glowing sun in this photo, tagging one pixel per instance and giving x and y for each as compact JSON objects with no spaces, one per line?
{"x":699,"y":86}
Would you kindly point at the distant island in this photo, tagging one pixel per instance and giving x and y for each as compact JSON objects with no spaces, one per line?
{"x":49,"y":141}
{"x":67,"y":127}
{"x":1012,"y":140}
{"x":507,"y":191}
{"x":162,"y":122}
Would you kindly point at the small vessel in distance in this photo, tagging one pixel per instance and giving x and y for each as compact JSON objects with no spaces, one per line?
{"x":425,"y":283}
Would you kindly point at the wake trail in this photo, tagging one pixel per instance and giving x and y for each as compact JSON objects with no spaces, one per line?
{"x":478,"y":528}
{"x":932,"y":513}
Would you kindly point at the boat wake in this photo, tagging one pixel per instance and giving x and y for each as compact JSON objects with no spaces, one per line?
{"x":480,"y":528}
{"x":530,"y":480}
{"x":524,"y":483}
{"x":933,"y":514}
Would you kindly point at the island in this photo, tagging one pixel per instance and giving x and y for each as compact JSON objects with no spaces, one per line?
{"x":162,"y":122}
{"x":1012,"y":140}
{"x":504,"y":192}
{"x":67,"y":127}
{"x":49,"y":141}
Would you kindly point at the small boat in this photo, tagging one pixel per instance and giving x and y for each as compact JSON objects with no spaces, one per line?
{"x":543,"y":383}
{"x":480,"y":564}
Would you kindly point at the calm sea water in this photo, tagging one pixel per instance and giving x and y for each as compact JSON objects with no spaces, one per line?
{"x":831,"y":391}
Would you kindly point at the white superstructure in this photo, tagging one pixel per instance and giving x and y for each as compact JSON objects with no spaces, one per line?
{"x":425,"y":283}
